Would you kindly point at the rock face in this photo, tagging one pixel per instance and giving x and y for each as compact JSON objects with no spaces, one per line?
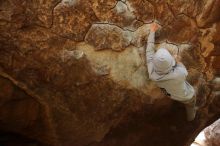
{"x":72,"y":72}
{"x":210,"y":136}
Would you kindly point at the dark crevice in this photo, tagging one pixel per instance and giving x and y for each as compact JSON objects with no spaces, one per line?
{"x":53,"y":13}
{"x":14,"y":139}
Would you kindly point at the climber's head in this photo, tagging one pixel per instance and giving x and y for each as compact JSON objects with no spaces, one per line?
{"x":163,"y":61}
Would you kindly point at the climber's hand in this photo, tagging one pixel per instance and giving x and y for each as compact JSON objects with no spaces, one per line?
{"x":154,"y":27}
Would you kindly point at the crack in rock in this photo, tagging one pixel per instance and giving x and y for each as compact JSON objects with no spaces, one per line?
{"x":109,"y":36}
{"x":105,"y":36}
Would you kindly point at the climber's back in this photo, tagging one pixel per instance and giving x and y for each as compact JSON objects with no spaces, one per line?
{"x":175,"y":83}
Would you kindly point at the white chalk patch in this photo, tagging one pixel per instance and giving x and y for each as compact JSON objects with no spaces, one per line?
{"x":216,"y":80}
{"x":66,"y":55}
{"x":121,"y":7}
{"x":200,"y":140}
{"x":130,"y":8}
{"x":127,"y":35}
{"x":69,"y":2}
{"x":125,"y":9}
{"x":125,"y":68}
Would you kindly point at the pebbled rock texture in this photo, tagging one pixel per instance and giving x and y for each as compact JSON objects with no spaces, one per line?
{"x":74,"y":72}
{"x":210,"y":136}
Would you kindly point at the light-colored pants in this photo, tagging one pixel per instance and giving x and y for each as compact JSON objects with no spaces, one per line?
{"x":190,"y":107}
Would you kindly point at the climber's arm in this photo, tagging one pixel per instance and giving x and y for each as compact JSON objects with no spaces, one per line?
{"x":150,"y":51}
{"x":150,"y":47}
{"x":182,"y":68}
{"x":180,"y":65}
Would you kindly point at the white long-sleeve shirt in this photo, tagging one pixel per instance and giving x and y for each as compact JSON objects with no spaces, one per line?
{"x":175,"y":81}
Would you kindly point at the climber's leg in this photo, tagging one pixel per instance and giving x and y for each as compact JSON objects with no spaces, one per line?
{"x":190,"y":107}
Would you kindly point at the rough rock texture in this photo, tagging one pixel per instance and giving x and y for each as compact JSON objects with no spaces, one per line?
{"x":210,"y":136}
{"x":74,"y":72}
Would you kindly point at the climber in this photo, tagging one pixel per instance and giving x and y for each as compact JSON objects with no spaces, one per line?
{"x":169,"y":74}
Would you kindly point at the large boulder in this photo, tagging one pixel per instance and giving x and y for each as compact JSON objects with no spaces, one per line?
{"x":71,"y":70}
